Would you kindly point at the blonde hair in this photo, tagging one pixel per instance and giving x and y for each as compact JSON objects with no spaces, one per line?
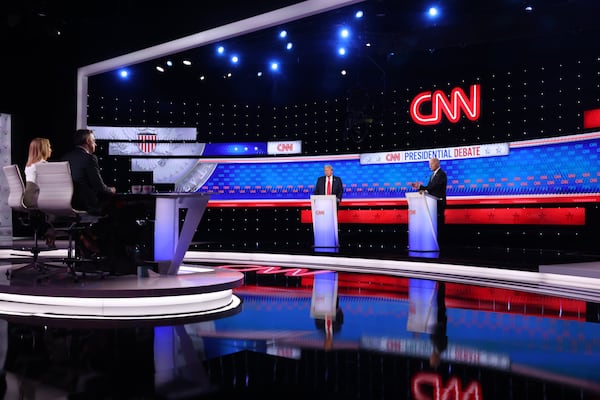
{"x":39,"y":149}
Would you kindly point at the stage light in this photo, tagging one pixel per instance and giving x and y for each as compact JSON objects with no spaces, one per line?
{"x":433,"y":12}
{"x":344,"y":33}
{"x":359,"y":14}
{"x":289,"y":46}
{"x":160,"y":69}
{"x":259,"y":73}
{"x":343,"y":72}
{"x":283,"y":34}
{"x":169,"y":63}
{"x":202,"y":77}
{"x":342,"y":51}
{"x":124,"y":74}
{"x":529,"y":8}
{"x":368,"y":44}
{"x":235,"y":59}
{"x":220,"y":50}
{"x":187,"y":62}
{"x":274,"y":66}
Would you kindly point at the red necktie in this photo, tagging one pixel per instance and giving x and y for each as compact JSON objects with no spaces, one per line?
{"x":328,"y":186}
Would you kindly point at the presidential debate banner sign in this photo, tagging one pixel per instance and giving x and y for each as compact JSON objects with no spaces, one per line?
{"x":448,"y":153}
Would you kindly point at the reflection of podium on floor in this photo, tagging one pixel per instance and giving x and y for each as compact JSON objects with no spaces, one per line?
{"x":325,"y":223}
{"x":422,"y":222}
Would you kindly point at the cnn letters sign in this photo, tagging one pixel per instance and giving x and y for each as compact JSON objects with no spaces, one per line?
{"x":452,"y":107}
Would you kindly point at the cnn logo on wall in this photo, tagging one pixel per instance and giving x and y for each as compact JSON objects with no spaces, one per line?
{"x":453,"y":106}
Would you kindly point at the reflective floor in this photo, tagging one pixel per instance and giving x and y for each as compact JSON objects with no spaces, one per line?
{"x":326,"y":334}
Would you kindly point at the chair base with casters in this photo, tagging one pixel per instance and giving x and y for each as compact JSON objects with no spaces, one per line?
{"x":77,"y":259}
{"x":42,"y":269}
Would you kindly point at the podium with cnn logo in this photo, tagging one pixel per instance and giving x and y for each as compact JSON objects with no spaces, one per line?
{"x":325,"y":222}
{"x":422,"y":222}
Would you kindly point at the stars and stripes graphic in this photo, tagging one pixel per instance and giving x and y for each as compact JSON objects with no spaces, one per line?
{"x":146,"y":141}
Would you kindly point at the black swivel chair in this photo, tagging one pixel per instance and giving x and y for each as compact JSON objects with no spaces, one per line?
{"x":54,"y":200}
{"x":28,"y":216}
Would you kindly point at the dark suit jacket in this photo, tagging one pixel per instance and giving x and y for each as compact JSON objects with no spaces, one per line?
{"x":89,"y":188}
{"x":337,"y":187}
{"x":437,"y":186}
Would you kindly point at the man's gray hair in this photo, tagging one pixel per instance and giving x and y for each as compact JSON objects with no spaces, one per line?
{"x":328,"y":166}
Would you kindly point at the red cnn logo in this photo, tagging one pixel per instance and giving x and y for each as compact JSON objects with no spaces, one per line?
{"x":429,"y":386}
{"x":451,"y":107}
{"x":283,"y":147}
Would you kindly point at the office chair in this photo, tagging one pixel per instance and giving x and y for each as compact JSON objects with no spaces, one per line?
{"x":54,"y":200}
{"x":29,"y":216}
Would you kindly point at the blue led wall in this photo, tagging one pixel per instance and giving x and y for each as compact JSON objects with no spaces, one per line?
{"x":567,"y":168}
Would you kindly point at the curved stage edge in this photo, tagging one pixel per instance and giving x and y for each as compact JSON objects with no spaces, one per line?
{"x":203,"y":294}
{"x":202,"y":290}
{"x":555,"y":284}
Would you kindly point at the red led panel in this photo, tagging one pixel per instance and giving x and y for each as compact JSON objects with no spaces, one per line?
{"x":473,"y":216}
{"x":591,"y":118}
{"x":517,"y":216}
{"x":363,"y":216}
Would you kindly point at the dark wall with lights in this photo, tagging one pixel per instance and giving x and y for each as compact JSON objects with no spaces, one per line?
{"x":539,"y":91}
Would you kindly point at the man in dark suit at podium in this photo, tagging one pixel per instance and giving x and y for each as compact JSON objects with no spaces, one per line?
{"x":329,"y":184}
{"x":437,"y":188}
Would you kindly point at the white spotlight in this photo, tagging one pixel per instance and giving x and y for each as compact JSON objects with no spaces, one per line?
{"x":235,"y":59}
{"x":160,"y":69}
{"x":274,"y":66}
{"x":344,"y":33}
{"x":289,"y":46}
{"x":220,"y":49}
{"x":187,"y":62}
{"x":283,"y":34}
{"x":259,"y":73}
{"x":343,"y":72}
{"x":169,"y":63}
{"x":359,"y":14}
{"x":342,"y":51}
{"x":433,"y":12}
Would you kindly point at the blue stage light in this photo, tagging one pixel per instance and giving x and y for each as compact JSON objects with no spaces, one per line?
{"x":124,"y":74}
{"x":289,"y":46}
{"x":359,"y":14}
{"x":220,"y":50}
{"x":344,"y":33}
{"x":342,"y":51}
{"x":283,"y":34}
{"x":274,"y":66}
{"x":235,"y":59}
{"x":169,"y":63}
{"x":433,"y":12}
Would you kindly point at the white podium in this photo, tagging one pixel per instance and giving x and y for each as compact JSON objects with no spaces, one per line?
{"x":422,"y":222}
{"x":325,"y":223}
{"x":171,"y":242}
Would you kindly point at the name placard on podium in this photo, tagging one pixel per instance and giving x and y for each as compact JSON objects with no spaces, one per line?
{"x":422,"y":222}
{"x":325,"y":223}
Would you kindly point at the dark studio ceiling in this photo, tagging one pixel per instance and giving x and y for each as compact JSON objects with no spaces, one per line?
{"x":61,"y":34}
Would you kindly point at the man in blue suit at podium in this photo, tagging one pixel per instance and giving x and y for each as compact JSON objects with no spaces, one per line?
{"x":329,"y":184}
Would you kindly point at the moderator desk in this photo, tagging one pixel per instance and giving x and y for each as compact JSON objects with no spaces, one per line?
{"x":169,"y":239}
